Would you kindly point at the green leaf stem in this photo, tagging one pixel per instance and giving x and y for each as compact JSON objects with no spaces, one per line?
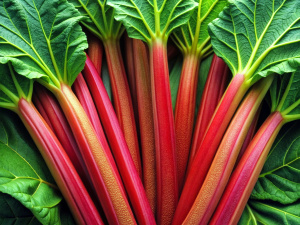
{"x":99,"y":18}
{"x":193,"y":36}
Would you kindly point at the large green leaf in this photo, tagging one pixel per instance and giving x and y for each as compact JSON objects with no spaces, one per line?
{"x":151,"y":19}
{"x":193,"y":36}
{"x":42,"y":39}
{"x":12,"y":212}
{"x":23,"y":173}
{"x":258,"y":37}
{"x":280,"y":177}
{"x":270,"y":213}
{"x":99,"y":18}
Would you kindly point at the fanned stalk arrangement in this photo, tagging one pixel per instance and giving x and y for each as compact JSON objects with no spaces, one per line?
{"x":202,"y":140}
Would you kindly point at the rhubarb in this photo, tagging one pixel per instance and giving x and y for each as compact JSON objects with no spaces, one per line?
{"x":153,"y":22}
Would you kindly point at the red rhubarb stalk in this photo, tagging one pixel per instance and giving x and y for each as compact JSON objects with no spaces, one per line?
{"x":59,"y":125}
{"x":206,"y":152}
{"x":122,"y":99}
{"x":95,"y":51}
{"x":245,"y":175}
{"x":167,"y":186}
{"x":59,"y":164}
{"x":185,"y":112}
{"x":145,"y":113}
{"x":115,"y":136}
{"x":250,"y":134}
{"x":102,"y":171}
{"x":225,"y":158}
{"x":84,"y":96}
{"x":130,"y":71}
{"x":214,"y":88}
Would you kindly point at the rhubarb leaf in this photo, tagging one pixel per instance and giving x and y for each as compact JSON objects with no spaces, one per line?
{"x":258,"y":37}
{"x":268,"y":212}
{"x":23,"y":173}
{"x":13,"y":212}
{"x":42,"y":39}
{"x":99,"y":18}
{"x":151,"y":19}
{"x":193,"y":36}
{"x":280,"y":176}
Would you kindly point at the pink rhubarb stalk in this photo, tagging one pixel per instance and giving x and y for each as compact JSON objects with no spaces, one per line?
{"x":245,"y":175}
{"x":122,"y":99}
{"x":59,"y":164}
{"x":166,"y":172}
{"x":84,"y":96}
{"x":145,"y":113}
{"x":59,"y":125}
{"x":225,"y":158}
{"x":214,"y":88}
{"x":102,"y":171}
{"x":214,"y":134}
{"x":115,"y":136}
{"x":185,"y":113}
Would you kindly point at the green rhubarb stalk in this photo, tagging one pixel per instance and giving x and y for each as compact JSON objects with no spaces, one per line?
{"x":285,"y":102}
{"x":54,"y":56}
{"x":194,"y":42}
{"x":16,"y":93}
{"x":226,"y":155}
{"x":153,"y":22}
{"x":260,"y":54}
{"x":146,"y":124}
{"x":100,"y":21}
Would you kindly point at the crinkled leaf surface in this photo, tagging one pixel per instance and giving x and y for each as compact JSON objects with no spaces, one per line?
{"x":150,"y":19}
{"x":258,"y":37}
{"x":42,"y":39}
{"x":13,"y":212}
{"x":23,"y":173}
{"x":280,"y":177}
{"x":193,"y":36}
{"x":99,"y":18}
{"x":270,"y":213}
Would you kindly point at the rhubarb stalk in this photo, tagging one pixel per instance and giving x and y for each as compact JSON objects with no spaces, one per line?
{"x":226,"y":155}
{"x":214,"y":88}
{"x":102,"y":24}
{"x":194,"y":42}
{"x":285,"y":103}
{"x":130,"y":176}
{"x":245,"y":175}
{"x":153,"y":22}
{"x":58,"y":162}
{"x":54,"y":58}
{"x":145,"y":112}
{"x":17,"y":97}
{"x":249,"y":62}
